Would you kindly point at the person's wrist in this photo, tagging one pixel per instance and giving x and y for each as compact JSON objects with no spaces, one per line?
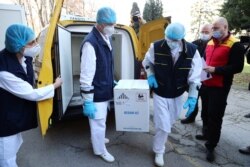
{"x":215,"y":69}
{"x":55,"y":85}
{"x":87,"y":97}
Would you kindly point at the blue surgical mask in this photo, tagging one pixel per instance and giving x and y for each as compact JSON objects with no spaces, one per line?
{"x":217,"y":34}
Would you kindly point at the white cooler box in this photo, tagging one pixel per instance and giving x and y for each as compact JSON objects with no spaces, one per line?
{"x":131,"y":98}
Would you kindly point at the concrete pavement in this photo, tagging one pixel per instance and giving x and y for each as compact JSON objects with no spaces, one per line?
{"x":235,"y":134}
{"x":67,"y":143}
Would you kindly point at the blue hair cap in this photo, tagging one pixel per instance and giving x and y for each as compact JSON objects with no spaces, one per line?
{"x":175,"y":31}
{"x":17,"y":36}
{"x":106,"y":15}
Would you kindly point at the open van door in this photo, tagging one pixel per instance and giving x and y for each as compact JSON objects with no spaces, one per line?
{"x":63,"y":67}
{"x":150,"y":32}
{"x":46,"y":77}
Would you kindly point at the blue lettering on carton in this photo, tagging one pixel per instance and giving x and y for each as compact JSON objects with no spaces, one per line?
{"x":131,"y":112}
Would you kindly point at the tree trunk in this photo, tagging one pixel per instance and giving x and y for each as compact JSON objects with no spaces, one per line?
{"x":27,"y":2}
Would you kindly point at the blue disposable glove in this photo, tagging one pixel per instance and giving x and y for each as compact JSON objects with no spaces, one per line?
{"x":115,"y":83}
{"x":89,"y":109}
{"x":190,"y":104}
{"x":152,"y":82}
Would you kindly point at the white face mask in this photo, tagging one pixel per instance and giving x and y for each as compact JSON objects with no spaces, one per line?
{"x":204,"y":37}
{"x":33,"y":51}
{"x":109,"y":30}
{"x":173,"y":44}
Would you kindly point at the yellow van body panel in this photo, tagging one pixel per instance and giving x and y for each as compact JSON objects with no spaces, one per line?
{"x":45,"y":77}
{"x":150,"y":32}
{"x":134,"y":39}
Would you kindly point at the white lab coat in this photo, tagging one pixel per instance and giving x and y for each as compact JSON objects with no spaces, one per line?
{"x":10,"y":145}
{"x":98,"y":124}
{"x":167,"y":110}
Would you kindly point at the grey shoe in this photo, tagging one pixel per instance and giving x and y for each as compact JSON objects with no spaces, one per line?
{"x":210,"y":155}
{"x":247,"y":116}
{"x":245,"y":150}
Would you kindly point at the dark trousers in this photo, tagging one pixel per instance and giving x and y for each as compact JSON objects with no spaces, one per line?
{"x":214,"y":101}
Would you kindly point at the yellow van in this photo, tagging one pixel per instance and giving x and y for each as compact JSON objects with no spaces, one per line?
{"x":60,"y":55}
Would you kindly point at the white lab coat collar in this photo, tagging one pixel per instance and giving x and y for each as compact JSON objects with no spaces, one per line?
{"x":176,"y":52}
{"x":23,"y":64}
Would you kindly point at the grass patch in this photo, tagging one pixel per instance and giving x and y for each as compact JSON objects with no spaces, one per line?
{"x":246,"y":68}
{"x":242,"y":79}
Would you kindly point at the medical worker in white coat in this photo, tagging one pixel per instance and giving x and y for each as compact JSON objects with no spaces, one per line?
{"x":173,"y":66}
{"x":96,"y":78}
{"x":17,"y":95}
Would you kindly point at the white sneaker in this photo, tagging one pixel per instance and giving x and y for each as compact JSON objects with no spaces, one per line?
{"x":159,"y":159}
{"x":107,"y":157}
{"x":106,"y":141}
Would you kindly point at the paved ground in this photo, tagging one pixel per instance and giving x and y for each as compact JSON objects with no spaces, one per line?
{"x":235,"y":134}
{"x":67,"y":144}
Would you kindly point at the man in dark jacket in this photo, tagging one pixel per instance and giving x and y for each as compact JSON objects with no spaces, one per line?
{"x":224,"y":58}
{"x":248,"y":61}
{"x":205,"y":36}
{"x":246,"y":150}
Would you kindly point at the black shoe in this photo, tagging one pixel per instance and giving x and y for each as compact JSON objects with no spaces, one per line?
{"x":210,"y":155}
{"x":187,"y":120}
{"x":201,"y":137}
{"x":245,"y":150}
{"x":247,"y":116}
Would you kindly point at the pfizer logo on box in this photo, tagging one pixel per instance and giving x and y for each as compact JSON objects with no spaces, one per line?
{"x":131,"y":98}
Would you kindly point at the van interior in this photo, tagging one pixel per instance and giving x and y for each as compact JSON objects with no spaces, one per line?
{"x":67,"y":44}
